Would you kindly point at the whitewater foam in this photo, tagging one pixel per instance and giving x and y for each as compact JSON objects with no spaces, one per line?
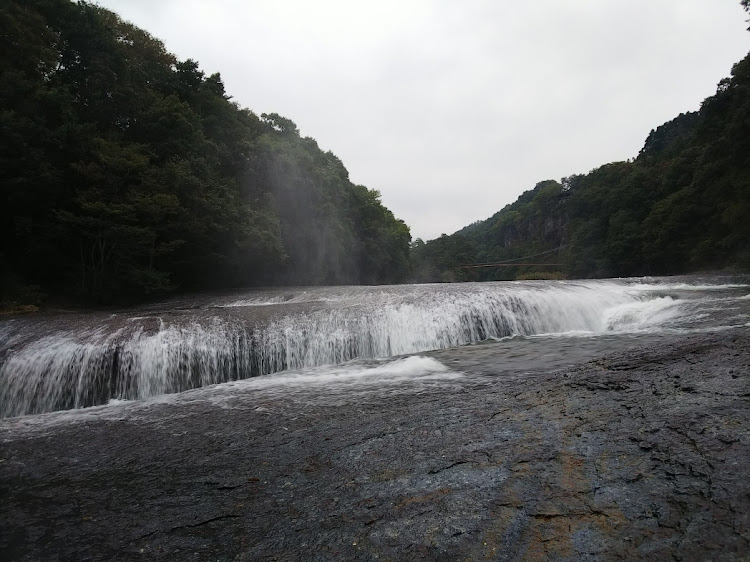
{"x":642,"y":315}
{"x":351,"y":381}
{"x":686,"y":286}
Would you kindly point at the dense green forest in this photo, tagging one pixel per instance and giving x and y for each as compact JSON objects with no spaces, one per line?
{"x":127,"y":173}
{"x":682,"y":205}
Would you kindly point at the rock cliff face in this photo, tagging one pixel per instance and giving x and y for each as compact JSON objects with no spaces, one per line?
{"x":637,"y":455}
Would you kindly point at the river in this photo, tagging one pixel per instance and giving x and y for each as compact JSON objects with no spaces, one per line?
{"x":344,"y":338}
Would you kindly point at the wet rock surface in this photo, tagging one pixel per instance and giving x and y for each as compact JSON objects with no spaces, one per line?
{"x":641,"y":454}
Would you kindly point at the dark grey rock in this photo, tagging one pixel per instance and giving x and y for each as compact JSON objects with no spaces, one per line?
{"x":641,"y":454}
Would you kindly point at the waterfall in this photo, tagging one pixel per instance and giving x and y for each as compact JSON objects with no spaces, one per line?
{"x":82,"y":360}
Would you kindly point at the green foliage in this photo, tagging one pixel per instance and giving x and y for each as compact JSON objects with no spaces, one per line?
{"x":681,"y":205}
{"x":127,"y":173}
{"x":440,"y":259}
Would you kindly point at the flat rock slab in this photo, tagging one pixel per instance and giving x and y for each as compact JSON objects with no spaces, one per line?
{"x":642,"y":454}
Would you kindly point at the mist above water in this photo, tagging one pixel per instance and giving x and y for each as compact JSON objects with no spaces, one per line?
{"x":77,"y":360}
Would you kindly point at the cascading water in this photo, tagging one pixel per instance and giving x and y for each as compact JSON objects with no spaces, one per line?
{"x":73,"y":361}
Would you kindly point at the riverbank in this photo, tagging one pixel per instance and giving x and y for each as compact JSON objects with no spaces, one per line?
{"x":639,"y":454}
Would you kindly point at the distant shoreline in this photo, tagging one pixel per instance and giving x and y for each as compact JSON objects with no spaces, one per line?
{"x":63,"y":306}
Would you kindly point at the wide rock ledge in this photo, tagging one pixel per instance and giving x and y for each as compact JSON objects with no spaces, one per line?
{"x":638,"y":455}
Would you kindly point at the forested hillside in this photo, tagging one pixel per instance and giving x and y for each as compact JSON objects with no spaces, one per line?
{"x":683,"y":204}
{"x":127,"y":173}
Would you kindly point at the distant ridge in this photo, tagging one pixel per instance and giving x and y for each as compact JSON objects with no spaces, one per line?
{"x":681,"y":205}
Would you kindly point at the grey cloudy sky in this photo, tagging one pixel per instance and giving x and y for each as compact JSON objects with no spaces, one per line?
{"x":453,"y":109}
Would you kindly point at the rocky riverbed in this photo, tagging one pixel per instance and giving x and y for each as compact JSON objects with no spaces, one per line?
{"x":640,"y":454}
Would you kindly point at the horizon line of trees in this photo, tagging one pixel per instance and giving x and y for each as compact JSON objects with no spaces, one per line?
{"x":129,"y":174}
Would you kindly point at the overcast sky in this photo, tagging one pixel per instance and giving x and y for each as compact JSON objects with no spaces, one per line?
{"x":453,"y":109}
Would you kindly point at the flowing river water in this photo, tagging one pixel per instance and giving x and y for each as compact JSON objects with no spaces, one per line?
{"x":340,"y":336}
